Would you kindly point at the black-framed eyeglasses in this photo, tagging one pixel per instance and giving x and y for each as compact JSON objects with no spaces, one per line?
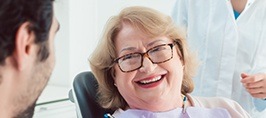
{"x":133,"y":61}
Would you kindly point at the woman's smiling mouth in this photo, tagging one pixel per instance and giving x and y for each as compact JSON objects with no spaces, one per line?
{"x":152,"y":82}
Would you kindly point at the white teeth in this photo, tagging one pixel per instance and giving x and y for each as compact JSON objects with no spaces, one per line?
{"x":151,"y":80}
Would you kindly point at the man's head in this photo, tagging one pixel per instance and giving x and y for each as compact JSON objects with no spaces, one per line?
{"x":27,"y":30}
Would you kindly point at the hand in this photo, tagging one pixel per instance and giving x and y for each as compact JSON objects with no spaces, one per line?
{"x":255,"y":84}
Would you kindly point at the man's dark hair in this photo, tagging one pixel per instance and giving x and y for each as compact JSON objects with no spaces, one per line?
{"x":13,"y":13}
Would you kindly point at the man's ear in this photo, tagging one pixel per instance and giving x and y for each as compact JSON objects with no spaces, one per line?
{"x":24,"y":43}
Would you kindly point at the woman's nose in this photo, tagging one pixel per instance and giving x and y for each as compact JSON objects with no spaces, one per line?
{"x":147,"y":65}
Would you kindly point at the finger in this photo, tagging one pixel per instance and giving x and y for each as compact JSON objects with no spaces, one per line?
{"x":259,"y":95}
{"x":248,"y":79}
{"x":252,"y":78}
{"x":245,"y":78}
{"x":254,"y":85}
{"x":244,"y":75}
{"x":255,"y":90}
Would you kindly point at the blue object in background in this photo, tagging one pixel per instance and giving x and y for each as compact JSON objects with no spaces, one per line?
{"x":236,"y":14}
{"x":260,"y":104}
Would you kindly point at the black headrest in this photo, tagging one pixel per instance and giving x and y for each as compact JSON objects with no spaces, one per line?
{"x":85,"y":87}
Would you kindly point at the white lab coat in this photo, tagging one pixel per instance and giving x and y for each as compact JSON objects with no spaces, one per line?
{"x":226,"y":47}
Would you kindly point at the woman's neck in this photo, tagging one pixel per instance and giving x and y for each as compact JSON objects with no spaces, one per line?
{"x":239,"y":5}
{"x":160,"y":105}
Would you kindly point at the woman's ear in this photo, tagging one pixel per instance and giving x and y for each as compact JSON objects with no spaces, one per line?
{"x":24,"y":41}
{"x":113,"y":75}
{"x":183,"y":62}
{"x":112,"y":71}
{"x":180,"y":57}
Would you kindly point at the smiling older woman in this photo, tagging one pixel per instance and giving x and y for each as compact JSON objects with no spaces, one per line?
{"x":144,"y":69}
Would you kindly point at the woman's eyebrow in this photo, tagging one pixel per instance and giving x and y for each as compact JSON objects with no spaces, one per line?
{"x":127,"y":49}
{"x":152,"y":43}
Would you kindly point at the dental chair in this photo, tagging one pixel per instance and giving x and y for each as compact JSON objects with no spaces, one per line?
{"x":84,"y":95}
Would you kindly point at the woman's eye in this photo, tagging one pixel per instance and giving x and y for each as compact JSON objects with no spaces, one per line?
{"x":156,"y":49}
{"x":131,"y":57}
{"x":126,"y":57}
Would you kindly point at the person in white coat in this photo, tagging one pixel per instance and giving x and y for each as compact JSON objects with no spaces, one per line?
{"x":230,"y":39}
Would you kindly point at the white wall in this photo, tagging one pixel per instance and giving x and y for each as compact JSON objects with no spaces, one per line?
{"x":107,"y":8}
{"x":82,"y":22}
{"x":61,"y":70}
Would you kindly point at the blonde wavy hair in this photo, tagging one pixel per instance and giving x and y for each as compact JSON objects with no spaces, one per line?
{"x":151,"y":22}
